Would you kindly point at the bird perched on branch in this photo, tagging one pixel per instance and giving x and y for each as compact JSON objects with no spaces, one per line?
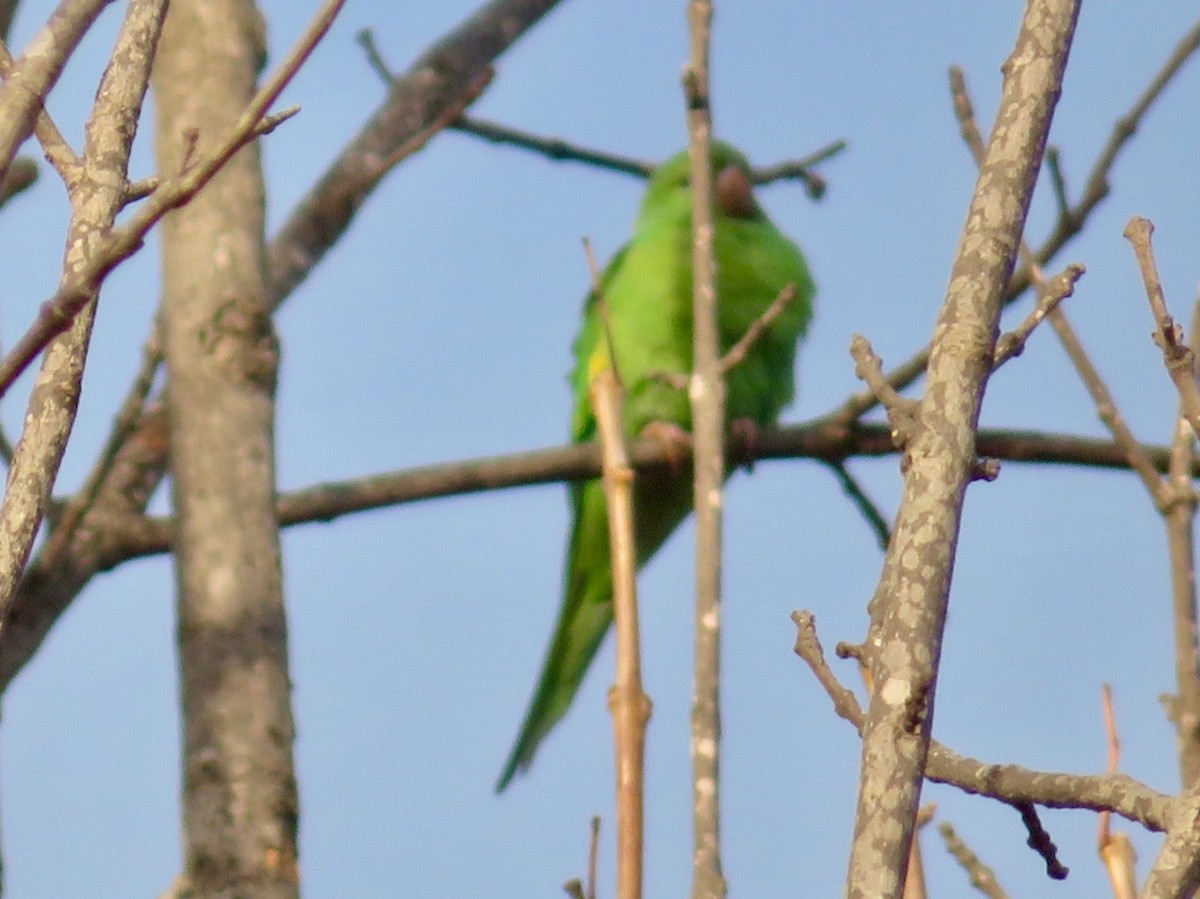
{"x":647,"y":289}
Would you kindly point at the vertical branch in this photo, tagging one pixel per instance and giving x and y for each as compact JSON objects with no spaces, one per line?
{"x":1180,"y":519}
{"x":908,"y":610}
{"x":240,"y":806}
{"x":630,"y":707}
{"x":1181,"y":526}
{"x":707,"y":391}
{"x":1177,"y":502}
{"x":1176,"y":870}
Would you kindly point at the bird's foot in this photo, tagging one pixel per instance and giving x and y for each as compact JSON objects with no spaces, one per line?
{"x":674,"y":440}
{"x":743,"y":442}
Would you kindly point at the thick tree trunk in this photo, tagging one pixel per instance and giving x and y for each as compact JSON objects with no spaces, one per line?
{"x":240,"y":806}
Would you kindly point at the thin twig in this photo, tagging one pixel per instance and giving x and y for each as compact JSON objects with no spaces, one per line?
{"x":979,"y":875}
{"x":1040,"y":842}
{"x":602,"y":306}
{"x":1177,"y":356}
{"x":593,"y":855}
{"x":901,"y":412}
{"x":808,"y":647}
{"x":554,"y":148}
{"x":802,"y":169}
{"x":627,"y":700}
{"x":1050,"y":294}
{"x":1106,"y":408}
{"x":1115,"y":849}
{"x":737,"y":353}
{"x":1058,"y":181}
{"x":866,"y":507}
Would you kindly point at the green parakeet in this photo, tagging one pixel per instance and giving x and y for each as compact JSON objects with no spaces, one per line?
{"x":647,"y":288}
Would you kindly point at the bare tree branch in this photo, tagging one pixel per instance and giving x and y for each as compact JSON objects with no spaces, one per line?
{"x":980,"y":875}
{"x":455,"y":67}
{"x":627,"y":699}
{"x":706,"y":391}
{"x":29,"y":79}
{"x":54,"y":146}
{"x":96,"y":198}
{"x":1010,"y":784}
{"x":127,"y":535}
{"x":52,"y":581}
{"x":909,"y":607}
{"x":1168,"y":336}
{"x":1180,"y":515}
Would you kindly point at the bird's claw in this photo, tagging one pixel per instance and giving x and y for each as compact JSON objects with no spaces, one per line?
{"x":743,"y":441}
{"x":674,"y":440}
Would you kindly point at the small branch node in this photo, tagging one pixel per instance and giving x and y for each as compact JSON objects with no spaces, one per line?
{"x":901,"y":411}
{"x":808,"y":648}
{"x":365,"y":38}
{"x":1168,"y":336}
{"x":1050,"y":294}
{"x":986,"y":470}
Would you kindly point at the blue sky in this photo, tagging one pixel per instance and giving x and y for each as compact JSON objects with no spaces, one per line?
{"x":440,"y":327}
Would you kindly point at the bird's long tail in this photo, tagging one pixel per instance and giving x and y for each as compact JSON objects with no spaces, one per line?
{"x":661,"y":502}
{"x":583,"y":620}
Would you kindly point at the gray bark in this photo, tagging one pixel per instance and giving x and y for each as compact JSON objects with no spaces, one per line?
{"x":240,"y":806}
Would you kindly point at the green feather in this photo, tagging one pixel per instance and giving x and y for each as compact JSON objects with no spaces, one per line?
{"x":647,"y":288}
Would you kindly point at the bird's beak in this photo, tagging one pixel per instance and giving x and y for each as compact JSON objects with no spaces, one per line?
{"x":733,"y":193}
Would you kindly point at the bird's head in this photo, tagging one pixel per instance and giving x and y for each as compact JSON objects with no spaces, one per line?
{"x":733,"y":191}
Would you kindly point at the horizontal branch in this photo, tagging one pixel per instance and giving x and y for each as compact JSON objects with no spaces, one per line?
{"x":826,"y":439}
{"x":1013,"y":784}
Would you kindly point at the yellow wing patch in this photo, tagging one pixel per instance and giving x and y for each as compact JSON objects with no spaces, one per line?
{"x":601,"y":358}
